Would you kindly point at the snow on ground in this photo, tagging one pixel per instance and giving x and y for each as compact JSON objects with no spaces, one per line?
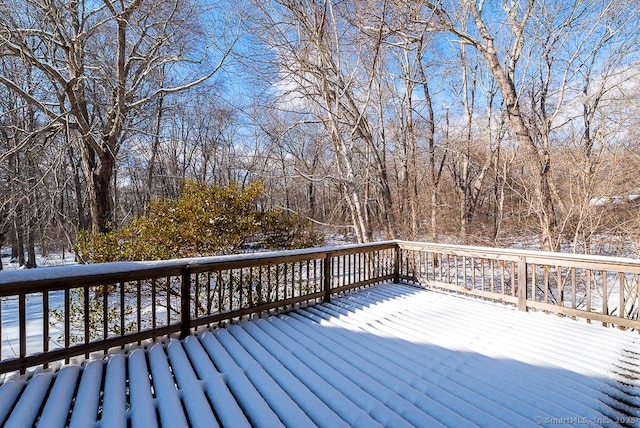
{"x":391,"y":355}
{"x":9,"y":320}
{"x":9,"y":338}
{"x":51,"y":259}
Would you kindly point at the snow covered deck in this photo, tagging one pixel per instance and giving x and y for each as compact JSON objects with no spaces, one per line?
{"x":390,"y":355}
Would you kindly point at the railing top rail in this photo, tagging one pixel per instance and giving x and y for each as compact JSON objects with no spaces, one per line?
{"x":104,"y":273}
{"x":533,"y":256}
{"x":53,"y":278}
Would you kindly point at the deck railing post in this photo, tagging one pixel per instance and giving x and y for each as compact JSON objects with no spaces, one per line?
{"x":522,"y":283}
{"x":185,"y":303}
{"x":327,"y":276}
{"x":396,"y":264}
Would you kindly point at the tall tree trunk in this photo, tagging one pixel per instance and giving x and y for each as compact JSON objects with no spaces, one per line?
{"x":350,"y":191}
{"x":13,"y":238}
{"x":77,"y":185}
{"x":99,"y":182}
{"x":17,"y":227}
{"x":435,"y":170}
{"x":31,"y":250}
{"x":154,"y":149}
{"x":410,"y":186}
{"x":545,"y":208}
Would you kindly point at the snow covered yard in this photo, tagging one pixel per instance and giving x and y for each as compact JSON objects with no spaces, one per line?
{"x":390,"y":355}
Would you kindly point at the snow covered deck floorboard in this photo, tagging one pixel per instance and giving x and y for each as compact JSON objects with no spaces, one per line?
{"x":390,"y":355}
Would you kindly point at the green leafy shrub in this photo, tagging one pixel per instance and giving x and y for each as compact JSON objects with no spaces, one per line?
{"x":285,"y":231}
{"x":204,"y":220}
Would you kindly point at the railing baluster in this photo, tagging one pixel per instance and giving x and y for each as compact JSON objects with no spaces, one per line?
{"x":185,"y":302}
{"x":122,"y":310}
{"x":327,"y":277}
{"x":296,"y":271}
{"x":588,"y":292}
{"x":621,"y":280}
{"x":546,"y":284}
{"x":308,"y":273}
{"x":605,"y":294}
{"x":513,"y":279}
{"x":285,"y":284}
{"x":67,"y":326}
{"x":219,"y":285}
{"x":396,"y":265}
{"x":534,"y":285}
{"x":493,"y":281}
{"x":240,"y":289}
{"x":139,"y":306}
{"x":318,"y":280}
{"x":153,"y":305}
{"x":196,"y":295}
{"x":573,"y":288}
{"x":345,"y":270}
{"x":270,"y":285}
{"x":261,"y":285}
{"x":45,"y":324}
{"x":168,"y":301}
{"x":209,"y":294}
{"x":87,"y":315}
{"x":105,"y":312}
{"x":22,"y":320}
{"x":473,"y":272}
{"x":300,"y":279}
{"x":250,"y":286}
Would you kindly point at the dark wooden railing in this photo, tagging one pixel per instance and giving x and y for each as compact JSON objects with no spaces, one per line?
{"x":74,"y":311}
{"x":55,"y":314}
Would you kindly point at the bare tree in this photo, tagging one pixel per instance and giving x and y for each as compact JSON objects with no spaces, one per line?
{"x":309,"y":49}
{"x":98,"y":63}
{"x":502,"y":48}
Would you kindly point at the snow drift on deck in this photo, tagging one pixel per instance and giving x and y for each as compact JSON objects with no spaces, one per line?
{"x":391,"y":355}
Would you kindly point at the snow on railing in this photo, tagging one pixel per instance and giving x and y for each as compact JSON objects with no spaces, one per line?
{"x":57,"y":313}
{"x":54,"y":314}
{"x":605,"y":289}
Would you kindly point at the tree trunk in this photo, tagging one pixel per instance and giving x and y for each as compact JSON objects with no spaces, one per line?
{"x":350,"y":190}
{"x":19,"y":241}
{"x":13,"y":237}
{"x":435,"y":171}
{"x":31,"y":250}
{"x":154,"y":149}
{"x":545,"y":209}
{"x":82,"y":218}
{"x":99,"y":182}
{"x":464,"y":197}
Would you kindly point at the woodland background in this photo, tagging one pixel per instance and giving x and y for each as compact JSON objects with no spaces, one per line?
{"x":508,"y":123}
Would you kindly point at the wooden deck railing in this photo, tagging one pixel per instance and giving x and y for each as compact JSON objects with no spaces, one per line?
{"x":605,"y":289}
{"x":55,"y":314}
{"x":67,"y":312}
